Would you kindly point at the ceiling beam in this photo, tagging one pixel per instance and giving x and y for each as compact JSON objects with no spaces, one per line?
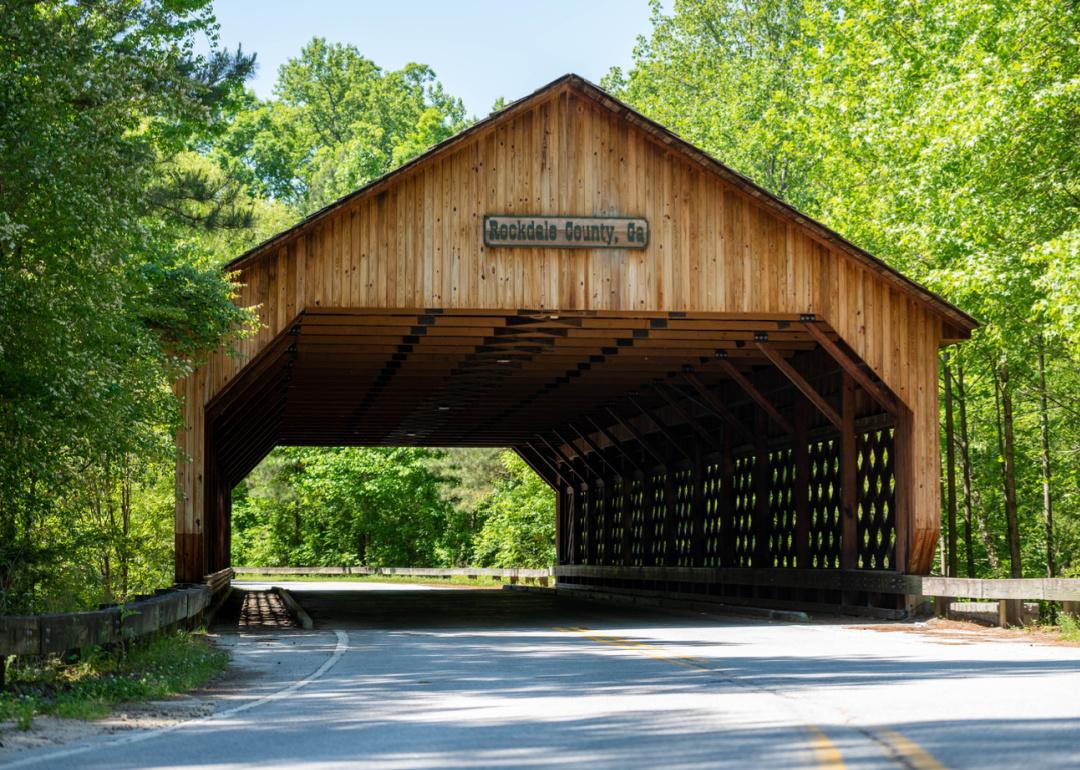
{"x":801,"y":384}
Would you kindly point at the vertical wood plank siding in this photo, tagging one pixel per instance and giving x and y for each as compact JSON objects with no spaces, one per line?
{"x":417,"y":243}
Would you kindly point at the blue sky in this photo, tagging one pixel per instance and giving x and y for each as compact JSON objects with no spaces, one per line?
{"x":480,"y":49}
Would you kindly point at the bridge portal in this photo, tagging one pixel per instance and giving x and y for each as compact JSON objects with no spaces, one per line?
{"x":728,"y":398}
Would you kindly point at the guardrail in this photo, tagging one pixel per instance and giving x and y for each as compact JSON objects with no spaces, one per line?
{"x":1008,"y":593}
{"x":59,"y":633}
{"x":513,"y":574}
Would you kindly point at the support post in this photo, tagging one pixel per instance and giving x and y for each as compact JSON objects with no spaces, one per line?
{"x":626,"y":551}
{"x":608,"y":530}
{"x":671,"y":523}
{"x":560,"y":526}
{"x":762,"y":524}
{"x":849,"y":538}
{"x":904,"y":487}
{"x":648,"y":528}
{"x":727,"y":515}
{"x":697,"y":509}
{"x":801,"y":452}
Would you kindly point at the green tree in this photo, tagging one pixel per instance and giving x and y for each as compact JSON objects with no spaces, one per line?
{"x":940,"y":136}
{"x":100,"y":309}
{"x":337,"y":121}
{"x":519,"y":520}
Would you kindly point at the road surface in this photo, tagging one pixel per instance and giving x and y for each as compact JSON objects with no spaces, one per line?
{"x":423,"y":680}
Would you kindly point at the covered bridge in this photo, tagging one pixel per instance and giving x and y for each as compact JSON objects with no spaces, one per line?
{"x":727,"y":397}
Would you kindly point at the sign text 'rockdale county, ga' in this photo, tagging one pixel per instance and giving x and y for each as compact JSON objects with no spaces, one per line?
{"x":566,"y":232}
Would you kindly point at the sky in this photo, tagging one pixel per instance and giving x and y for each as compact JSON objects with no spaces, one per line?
{"x":480,"y":49}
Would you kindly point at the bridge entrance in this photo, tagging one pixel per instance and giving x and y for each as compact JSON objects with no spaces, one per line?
{"x":728,"y":398}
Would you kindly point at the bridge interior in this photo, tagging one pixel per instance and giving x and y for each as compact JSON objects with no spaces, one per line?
{"x":690,"y":453}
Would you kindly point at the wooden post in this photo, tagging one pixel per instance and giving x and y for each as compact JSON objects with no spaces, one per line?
{"x":727,"y":513}
{"x":697,"y":509}
{"x":802,"y":484}
{"x":671,"y":524}
{"x":1009,"y":612}
{"x":627,"y":550}
{"x":904,"y":487}
{"x":762,"y":521}
{"x":594,"y":522}
{"x":849,"y":537}
{"x":609,"y":530}
{"x":647,"y":526}
{"x":560,"y":527}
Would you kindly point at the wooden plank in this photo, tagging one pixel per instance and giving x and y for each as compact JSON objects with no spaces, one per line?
{"x":849,"y":542}
{"x":714,"y":404}
{"x":749,"y":388}
{"x":852,"y":368}
{"x":801,"y":384}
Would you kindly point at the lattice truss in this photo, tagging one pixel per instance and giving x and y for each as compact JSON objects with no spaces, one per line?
{"x":651,"y":520}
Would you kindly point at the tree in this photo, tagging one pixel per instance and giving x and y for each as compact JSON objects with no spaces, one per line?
{"x":337,"y":122}
{"x":940,"y":136}
{"x":519,"y":520}
{"x":100,"y":308}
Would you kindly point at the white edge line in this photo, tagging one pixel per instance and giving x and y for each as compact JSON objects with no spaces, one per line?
{"x":140,"y":736}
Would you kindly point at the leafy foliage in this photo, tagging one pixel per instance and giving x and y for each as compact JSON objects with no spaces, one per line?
{"x":387,"y":507}
{"x":940,"y":136}
{"x":337,"y":122}
{"x":101,"y":306}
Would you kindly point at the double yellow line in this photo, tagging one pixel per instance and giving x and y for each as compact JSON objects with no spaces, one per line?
{"x":901,"y":749}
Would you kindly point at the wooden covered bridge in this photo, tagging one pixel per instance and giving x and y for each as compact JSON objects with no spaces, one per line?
{"x":727,"y":397}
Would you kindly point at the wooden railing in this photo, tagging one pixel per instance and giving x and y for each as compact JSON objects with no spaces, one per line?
{"x":512,"y":574}
{"x":1008,"y":593}
{"x":44,"y":634}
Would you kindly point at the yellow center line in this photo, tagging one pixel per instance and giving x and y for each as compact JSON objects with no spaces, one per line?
{"x":626,"y":644}
{"x":828,"y":756}
{"x":908,"y":752}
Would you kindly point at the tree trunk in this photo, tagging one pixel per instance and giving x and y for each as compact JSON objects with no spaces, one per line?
{"x":950,"y":467}
{"x":1008,"y":470}
{"x":1044,"y":437}
{"x":125,"y":526}
{"x":965,"y":466}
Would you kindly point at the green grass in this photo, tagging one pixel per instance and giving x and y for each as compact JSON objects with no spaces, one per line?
{"x":457,"y":580}
{"x":155,"y":668}
{"x":1069,"y":627}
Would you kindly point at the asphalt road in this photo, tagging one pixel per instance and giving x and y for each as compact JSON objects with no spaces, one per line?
{"x":398,"y":679}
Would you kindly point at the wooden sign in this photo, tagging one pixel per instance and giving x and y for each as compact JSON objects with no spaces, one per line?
{"x":565,"y":232}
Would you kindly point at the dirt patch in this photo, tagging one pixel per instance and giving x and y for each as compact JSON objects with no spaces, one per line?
{"x":54,"y":731}
{"x":965,"y":632}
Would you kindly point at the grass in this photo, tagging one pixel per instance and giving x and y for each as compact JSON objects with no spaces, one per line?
{"x":456,"y":580}
{"x":88,"y":689}
{"x":1068,"y":628}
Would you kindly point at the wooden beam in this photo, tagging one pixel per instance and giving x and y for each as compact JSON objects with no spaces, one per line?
{"x":674,"y":440}
{"x":801,"y":452}
{"x":552,"y":466}
{"x":595,"y":448}
{"x":615,"y":443}
{"x":636,"y":434}
{"x":697,"y":509}
{"x":579,"y":454}
{"x":801,"y":384}
{"x":849,"y":528}
{"x":748,"y":387}
{"x":762,"y":520}
{"x":851,"y":366}
{"x":673,"y":403}
{"x":545,"y":473}
{"x":715,"y":405}
{"x":565,"y":458}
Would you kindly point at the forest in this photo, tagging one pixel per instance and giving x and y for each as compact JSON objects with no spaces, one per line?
{"x":135,"y":161}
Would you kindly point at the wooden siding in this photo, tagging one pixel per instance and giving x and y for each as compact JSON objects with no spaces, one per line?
{"x":715,"y":249}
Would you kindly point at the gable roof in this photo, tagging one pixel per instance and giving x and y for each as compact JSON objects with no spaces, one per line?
{"x":664,"y":136}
